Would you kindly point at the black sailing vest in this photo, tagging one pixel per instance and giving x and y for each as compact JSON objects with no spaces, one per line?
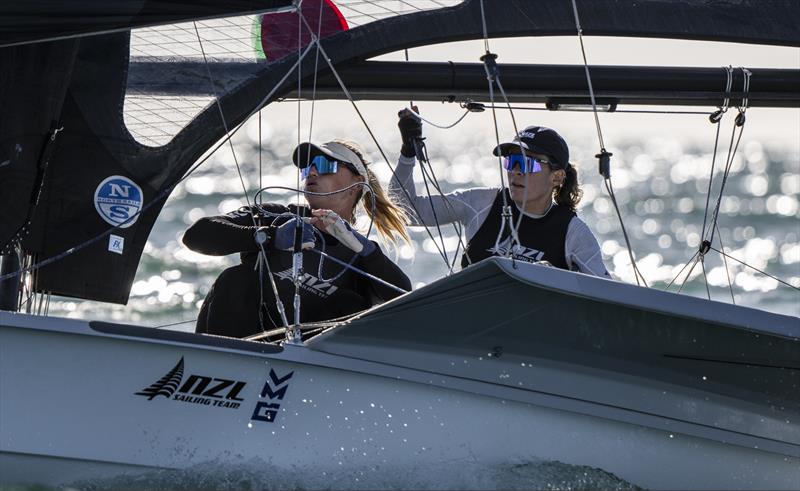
{"x":542,"y":239}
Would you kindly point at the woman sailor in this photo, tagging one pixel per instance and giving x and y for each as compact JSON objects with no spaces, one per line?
{"x":542,"y":196}
{"x":335,"y":174}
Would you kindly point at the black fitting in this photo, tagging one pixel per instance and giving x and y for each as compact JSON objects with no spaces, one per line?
{"x":604,"y":163}
{"x":490,"y":62}
{"x":475,"y":107}
{"x":419,"y":148}
{"x":704,"y":247}
{"x":716,"y":116}
{"x":298,"y":237}
{"x":740,"y":119}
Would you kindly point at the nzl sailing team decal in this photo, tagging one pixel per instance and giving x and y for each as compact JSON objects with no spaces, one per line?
{"x":197,"y":389}
{"x":118,"y":200}
{"x":218,"y":392}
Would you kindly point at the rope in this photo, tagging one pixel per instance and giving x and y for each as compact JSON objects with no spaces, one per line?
{"x":604,"y":156}
{"x":361,"y":272}
{"x":588,"y":77}
{"x":371,"y":134}
{"x":441,"y":126}
{"x":241,"y":177}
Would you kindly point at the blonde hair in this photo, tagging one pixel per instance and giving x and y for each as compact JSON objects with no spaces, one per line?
{"x":390,"y":220}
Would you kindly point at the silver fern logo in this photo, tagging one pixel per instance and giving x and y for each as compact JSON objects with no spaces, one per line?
{"x":166,"y":385}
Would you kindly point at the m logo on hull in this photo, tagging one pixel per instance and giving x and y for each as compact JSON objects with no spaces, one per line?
{"x":275,"y":389}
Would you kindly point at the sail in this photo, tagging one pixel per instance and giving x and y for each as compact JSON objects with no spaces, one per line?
{"x":84,"y":205}
{"x":47,"y":20}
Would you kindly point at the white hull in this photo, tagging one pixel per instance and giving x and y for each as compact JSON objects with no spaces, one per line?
{"x":69,"y":411}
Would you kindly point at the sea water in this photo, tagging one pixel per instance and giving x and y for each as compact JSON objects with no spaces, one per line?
{"x":259,"y":475}
{"x":661,"y":186}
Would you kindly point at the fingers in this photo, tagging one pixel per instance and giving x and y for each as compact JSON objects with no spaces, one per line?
{"x":409,"y":113}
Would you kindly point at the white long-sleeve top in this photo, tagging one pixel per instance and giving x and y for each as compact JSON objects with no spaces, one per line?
{"x":471,"y":206}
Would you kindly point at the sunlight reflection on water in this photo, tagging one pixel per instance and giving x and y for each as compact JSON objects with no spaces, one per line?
{"x":661,"y":187}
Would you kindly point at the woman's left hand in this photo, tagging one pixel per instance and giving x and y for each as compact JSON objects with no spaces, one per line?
{"x":330,"y":222}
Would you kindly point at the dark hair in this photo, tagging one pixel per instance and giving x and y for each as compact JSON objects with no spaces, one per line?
{"x":569,"y":193}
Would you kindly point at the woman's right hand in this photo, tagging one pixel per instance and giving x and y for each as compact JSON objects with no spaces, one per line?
{"x":284,"y":235}
{"x":410,"y":128}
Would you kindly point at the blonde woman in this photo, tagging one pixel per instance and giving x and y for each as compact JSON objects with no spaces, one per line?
{"x":334,"y":175}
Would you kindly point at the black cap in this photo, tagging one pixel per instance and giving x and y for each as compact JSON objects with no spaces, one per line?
{"x":538,"y":139}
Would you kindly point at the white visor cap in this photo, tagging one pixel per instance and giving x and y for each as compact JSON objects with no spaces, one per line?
{"x":305,"y":152}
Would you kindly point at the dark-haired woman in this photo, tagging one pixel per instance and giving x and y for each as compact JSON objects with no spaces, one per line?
{"x":240,"y":305}
{"x":542,"y":195}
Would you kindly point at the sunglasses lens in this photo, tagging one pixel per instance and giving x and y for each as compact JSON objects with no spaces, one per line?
{"x":513,"y":160}
{"x":322,"y":164}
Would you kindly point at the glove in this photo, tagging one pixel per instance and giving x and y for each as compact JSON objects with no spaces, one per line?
{"x":284,"y":236}
{"x":410,"y":128}
{"x":332,"y":223}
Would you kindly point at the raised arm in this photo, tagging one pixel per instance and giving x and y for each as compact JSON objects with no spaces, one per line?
{"x":423,"y":210}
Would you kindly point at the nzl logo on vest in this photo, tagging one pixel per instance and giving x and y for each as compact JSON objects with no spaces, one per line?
{"x":274,"y":389}
{"x":519,"y":252}
{"x":196,"y":389}
{"x":118,"y":200}
{"x":310,"y":283}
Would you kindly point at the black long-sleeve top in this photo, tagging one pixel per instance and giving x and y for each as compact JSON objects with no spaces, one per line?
{"x":232,"y":306}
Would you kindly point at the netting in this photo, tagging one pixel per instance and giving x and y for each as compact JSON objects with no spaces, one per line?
{"x":154,"y":118}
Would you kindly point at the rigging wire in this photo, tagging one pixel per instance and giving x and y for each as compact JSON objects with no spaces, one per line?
{"x":492,"y":77}
{"x":349,"y":96}
{"x":360,"y":271}
{"x":604,"y":155}
{"x":724,"y":254}
{"x":330,"y":193}
{"x":222,"y":114}
{"x":255,"y":221}
{"x":469,"y":106}
{"x":716,"y":117}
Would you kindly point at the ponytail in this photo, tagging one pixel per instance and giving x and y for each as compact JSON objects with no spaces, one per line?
{"x":389,"y":219}
{"x":569,"y":193}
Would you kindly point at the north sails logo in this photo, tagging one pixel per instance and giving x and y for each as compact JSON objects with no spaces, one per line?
{"x":119,"y":201}
{"x":517,"y":251}
{"x":198,"y":389}
{"x":310,"y":283}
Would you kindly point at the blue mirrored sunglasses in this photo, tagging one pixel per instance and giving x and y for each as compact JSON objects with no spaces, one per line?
{"x":527,"y":165}
{"x":323,"y":165}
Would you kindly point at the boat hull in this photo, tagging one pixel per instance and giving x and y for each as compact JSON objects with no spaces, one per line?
{"x":75,"y":406}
